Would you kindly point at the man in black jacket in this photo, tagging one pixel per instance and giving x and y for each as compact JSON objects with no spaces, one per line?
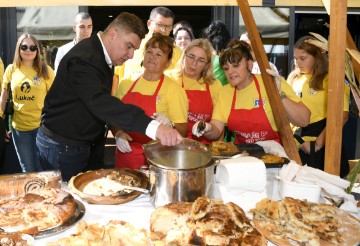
{"x":79,"y":102}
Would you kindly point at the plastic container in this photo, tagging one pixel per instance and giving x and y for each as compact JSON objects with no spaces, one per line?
{"x":309,"y":192}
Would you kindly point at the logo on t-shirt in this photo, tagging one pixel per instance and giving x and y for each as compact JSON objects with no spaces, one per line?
{"x":257,"y":103}
{"x":312,"y":91}
{"x":25,"y":87}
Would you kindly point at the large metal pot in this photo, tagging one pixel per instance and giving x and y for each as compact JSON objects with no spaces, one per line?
{"x":179,"y":173}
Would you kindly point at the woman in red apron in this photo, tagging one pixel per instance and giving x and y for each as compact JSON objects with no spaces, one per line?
{"x":196,"y":77}
{"x":157,"y":95}
{"x":243,"y":103}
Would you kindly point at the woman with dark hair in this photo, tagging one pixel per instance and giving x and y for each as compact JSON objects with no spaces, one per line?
{"x":309,"y":79}
{"x":157,"y":95}
{"x":183,"y":38}
{"x":244,"y":104}
{"x":30,"y":80}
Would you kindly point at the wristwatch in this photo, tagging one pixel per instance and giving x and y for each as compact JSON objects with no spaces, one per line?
{"x":282,"y":95}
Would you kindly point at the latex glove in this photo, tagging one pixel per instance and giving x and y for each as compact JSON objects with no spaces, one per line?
{"x":122,"y":142}
{"x":163,"y":119}
{"x":200,"y":128}
{"x":277,"y":77}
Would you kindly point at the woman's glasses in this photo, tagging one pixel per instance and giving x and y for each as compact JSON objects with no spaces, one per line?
{"x":32,"y":48}
{"x":191,"y":58}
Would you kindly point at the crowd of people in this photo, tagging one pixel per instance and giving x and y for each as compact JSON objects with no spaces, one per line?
{"x":144,"y":85}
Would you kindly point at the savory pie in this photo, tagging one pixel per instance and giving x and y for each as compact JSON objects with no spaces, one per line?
{"x":299,"y":221}
{"x":33,"y":212}
{"x":271,"y":158}
{"x":111,"y":185}
{"x":204,"y":222}
{"x":113,"y":233}
{"x":219,"y":148}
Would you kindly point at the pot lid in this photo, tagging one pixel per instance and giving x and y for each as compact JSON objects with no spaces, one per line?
{"x":189,"y":154}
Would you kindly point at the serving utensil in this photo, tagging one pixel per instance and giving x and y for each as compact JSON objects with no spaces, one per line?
{"x":125,"y":187}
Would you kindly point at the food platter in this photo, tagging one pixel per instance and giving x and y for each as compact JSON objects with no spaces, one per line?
{"x":350,"y":228}
{"x":80,"y":181}
{"x":79,"y":212}
{"x":77,"y":216}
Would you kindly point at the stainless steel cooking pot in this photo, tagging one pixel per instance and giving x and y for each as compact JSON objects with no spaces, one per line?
{"x":179,"y":173}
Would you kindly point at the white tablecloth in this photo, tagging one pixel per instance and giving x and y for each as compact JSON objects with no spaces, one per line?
{"x":136,"y":212}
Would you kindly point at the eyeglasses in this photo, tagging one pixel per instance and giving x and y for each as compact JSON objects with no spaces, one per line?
{"x":32,"y":48}
{"x":192,"y":59}
{"x":162,"y":26}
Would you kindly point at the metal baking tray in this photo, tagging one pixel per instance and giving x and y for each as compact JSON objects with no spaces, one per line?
{"x":252,"y":150}
{"x":79,"y":213}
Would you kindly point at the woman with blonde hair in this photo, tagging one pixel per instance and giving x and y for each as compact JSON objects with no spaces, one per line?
{"x":29,"y":79}
{"x":195,"y":75}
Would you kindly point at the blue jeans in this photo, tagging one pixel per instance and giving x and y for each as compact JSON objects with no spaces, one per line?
{"x":70,"y":160}
{"x":26,"y":150}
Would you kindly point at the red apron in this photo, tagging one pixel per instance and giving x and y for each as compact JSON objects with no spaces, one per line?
{"x":200,"y":109}
{"x":136,"y":158}
{"x":251,"y":125}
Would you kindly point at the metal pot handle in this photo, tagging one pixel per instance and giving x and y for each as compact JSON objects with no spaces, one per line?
{"x":145,"y":169}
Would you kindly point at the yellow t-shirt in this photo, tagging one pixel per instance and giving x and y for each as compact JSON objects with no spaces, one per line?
{"x":171,"y":100}
{"x":248,"y":98}
{"x":316,"y":101}
{"x":132,"y":68}
{"x":196,"y":85}
{"x":28,"y":93}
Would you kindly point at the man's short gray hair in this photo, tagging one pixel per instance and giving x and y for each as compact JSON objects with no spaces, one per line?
{"x":163,"y":11}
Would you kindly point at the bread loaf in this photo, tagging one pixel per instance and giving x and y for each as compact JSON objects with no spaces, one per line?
{"x":204,"y":222}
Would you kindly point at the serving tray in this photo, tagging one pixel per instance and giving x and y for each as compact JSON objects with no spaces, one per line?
{"x":79,"y":213}
{"x":78,"y":183}
{"x":252,"y":150}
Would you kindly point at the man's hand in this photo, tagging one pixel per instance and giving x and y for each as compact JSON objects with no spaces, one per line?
{"x":168,"y":136}
{"x":163,"y":119}
{"x":200,"y":128}
{"x":277,"y":77}
{"x":122,"y":142}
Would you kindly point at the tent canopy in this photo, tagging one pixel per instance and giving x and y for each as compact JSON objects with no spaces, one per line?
{"x":48,"y":23}
{"x":271,"y":22}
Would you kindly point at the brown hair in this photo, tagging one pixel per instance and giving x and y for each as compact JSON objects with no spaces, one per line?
{"x":186,"y":30}
{"x":235,"y":52}
{"x":39,"y":66}
{"x":128,"y":22}
{"x":164,"y":43}
{"x":321,"y":66}
{"x":207,"y":74}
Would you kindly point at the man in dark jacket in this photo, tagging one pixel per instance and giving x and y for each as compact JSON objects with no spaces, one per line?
{"x":79,"y":102}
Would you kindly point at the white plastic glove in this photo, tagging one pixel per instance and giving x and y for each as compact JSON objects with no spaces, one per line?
{"x":277,"y":77}
{"x":163,"y":119}
{"x":122,"y":142}
{"x":200,"y":128}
